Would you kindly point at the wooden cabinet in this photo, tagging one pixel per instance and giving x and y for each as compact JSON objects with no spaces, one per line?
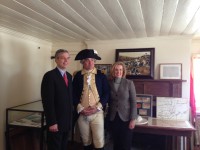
{"x":162,"y":88}
{"x":158,"y":88}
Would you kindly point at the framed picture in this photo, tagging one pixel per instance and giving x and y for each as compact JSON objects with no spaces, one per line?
{"x":171,"y":71}
{"x":144,"y":104}
{"x":105,"y":68}
{"x":139,"y":62}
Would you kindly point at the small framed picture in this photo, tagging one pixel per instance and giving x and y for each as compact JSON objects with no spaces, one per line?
{"x":143,"y":112}
{"x":105,"y":68}
{"x":144,"y":104}
{"x":171,"y":71}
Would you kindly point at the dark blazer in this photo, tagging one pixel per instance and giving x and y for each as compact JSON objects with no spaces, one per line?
{"x":57,"y":99}
{"x":123,"y":101}
{"x":101,"y":84}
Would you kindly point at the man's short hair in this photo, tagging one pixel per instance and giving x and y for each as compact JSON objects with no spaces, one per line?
{"x":58,"y":52}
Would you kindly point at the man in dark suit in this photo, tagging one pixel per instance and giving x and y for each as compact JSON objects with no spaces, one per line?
{"x":56,"y":93}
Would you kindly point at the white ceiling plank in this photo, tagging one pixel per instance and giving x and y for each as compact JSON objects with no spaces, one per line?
{"x":89,"y":24}
{"x":100,"y":14}
{"x":194,"y":24}
{"x":133,"y":12}
{"x":169,"y":11}
{"x":51,"y":14}
{"x":116,"y":12}
{"x":152,"y":13}
{"x":16,"y":17}
{"x":180,"y":23}
{"x":88,"y":20}
{"x":29,"y":31}
{"x":35,"y":31}
{"x":15,"y":8}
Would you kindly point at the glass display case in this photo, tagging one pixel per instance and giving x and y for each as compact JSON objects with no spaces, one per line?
{"x":29,"y":115}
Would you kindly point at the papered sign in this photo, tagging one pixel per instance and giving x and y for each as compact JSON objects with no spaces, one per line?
{"x":172,"y":108}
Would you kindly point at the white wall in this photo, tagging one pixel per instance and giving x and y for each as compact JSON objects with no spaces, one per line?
{"x":167,"y":50}
{"x":22,"y":65}
{"x":195,"y":47}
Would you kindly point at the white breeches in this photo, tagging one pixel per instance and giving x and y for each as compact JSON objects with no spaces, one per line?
{"x":92,"y":129}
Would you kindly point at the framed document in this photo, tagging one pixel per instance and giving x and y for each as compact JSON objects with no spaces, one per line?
{"x":171,"y":71}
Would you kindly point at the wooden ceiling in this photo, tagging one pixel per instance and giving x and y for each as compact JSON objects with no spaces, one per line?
{"x":83,"y":20}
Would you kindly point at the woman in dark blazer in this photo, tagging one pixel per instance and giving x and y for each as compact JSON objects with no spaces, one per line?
{"x":123,"y":110}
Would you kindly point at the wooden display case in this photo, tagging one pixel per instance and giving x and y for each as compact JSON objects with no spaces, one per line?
{"x":25,"y":119}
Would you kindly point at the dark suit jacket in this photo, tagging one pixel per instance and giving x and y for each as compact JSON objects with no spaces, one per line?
{"x":57,"y":99}
{"x":123,"y":101}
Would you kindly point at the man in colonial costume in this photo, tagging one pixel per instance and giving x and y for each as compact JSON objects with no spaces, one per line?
{"x":90,"y":95}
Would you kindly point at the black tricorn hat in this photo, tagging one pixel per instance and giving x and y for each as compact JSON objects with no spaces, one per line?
{"x":87,"y":53}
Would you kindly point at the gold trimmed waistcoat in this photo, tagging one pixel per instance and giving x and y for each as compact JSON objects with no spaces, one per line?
{"x":90,"y":95}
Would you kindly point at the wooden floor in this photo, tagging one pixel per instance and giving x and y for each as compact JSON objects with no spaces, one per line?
{"x":75,"y":146}
{"x":197,"y":148}
{"x":108,"y":146}
{"x":78,"y":146}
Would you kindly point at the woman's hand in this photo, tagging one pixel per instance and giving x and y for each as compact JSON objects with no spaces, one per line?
{"x":132,"y":124}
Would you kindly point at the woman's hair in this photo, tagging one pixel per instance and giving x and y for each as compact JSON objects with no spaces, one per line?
{"x":112,"y":71}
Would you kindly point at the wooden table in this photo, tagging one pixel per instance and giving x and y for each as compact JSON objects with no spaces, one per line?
{"x":172,"y":129}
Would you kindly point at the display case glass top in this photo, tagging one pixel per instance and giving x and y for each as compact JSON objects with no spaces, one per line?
{"x":29,"y":115}
{"x":33,"y":106}
{"x":23,"y":119}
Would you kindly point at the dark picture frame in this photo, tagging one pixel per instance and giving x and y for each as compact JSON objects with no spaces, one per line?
{"x":144,"y":105}
{"x":105,"y":68}
{"x":139,"y":62}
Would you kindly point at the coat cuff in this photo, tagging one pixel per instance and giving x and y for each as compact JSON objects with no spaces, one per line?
{"x":79,"y":108}
{"x":99,"y":106}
